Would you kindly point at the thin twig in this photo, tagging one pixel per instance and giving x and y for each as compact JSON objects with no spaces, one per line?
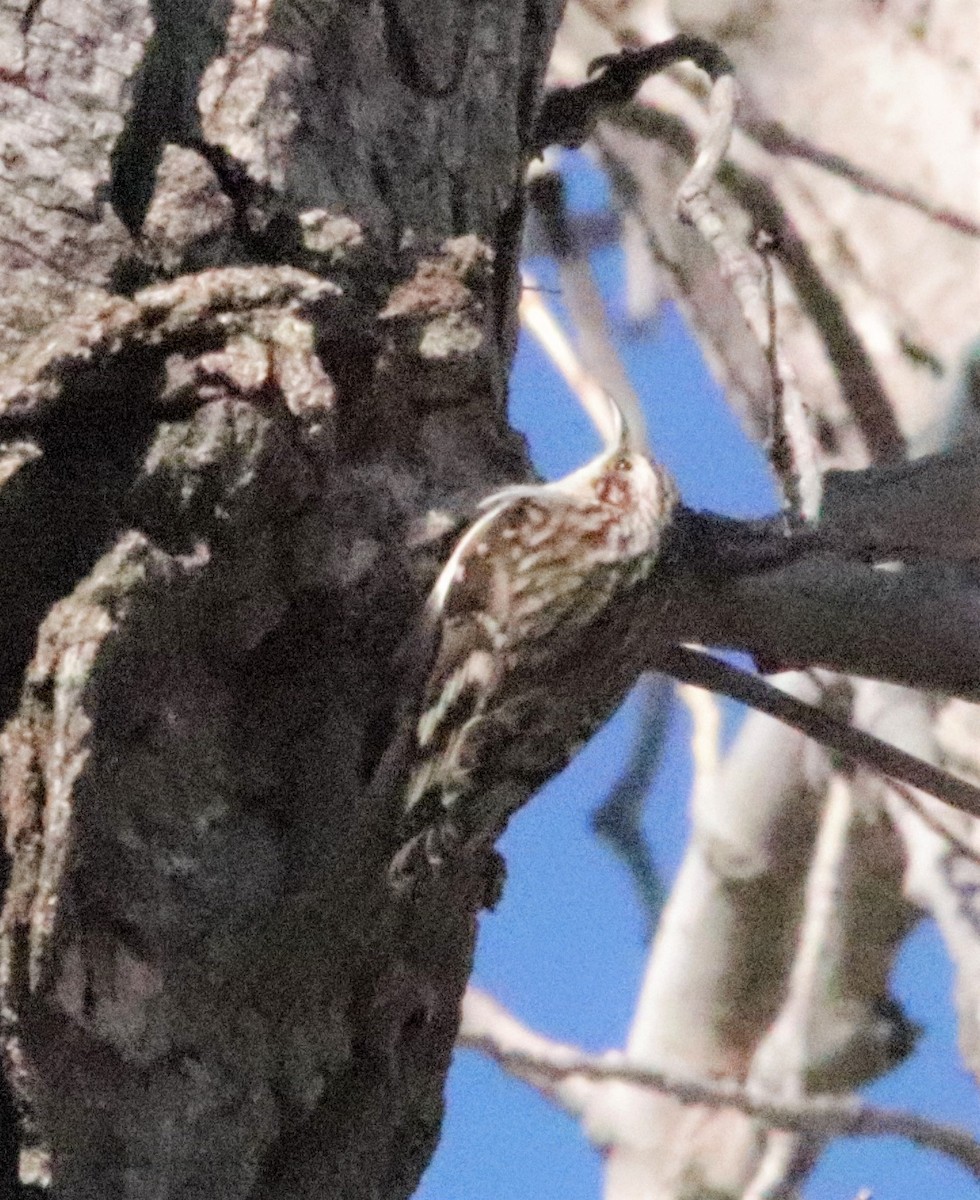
{"x":778,"y":140}
{"x":484,"y":1017}
{"x":712,"y":145}
{"x":743,"y":269}
{"x":863,"y":749}
{"x":860,"y":385}
{"x":780,"y":447}
{"x":816,"y":1116}
{"x":923,"y":807}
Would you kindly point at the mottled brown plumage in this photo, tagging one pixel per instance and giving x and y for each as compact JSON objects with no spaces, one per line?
{"x":539,"y":564}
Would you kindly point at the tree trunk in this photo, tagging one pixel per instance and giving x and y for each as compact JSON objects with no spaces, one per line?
{"x":259,"y":275}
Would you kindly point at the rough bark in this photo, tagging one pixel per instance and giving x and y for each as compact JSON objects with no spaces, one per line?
{"x":258,"y":267}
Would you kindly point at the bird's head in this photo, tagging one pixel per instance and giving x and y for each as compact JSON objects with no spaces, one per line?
{"x":638,"y":493}
{"x":632,"y":495}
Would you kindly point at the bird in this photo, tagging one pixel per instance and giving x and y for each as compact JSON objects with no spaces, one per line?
{"x":534,"y":570}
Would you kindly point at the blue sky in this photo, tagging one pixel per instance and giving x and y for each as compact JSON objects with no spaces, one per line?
{"x":566,"y":948}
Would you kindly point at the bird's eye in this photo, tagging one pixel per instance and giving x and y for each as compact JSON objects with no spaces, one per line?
{"x":623,"y":463}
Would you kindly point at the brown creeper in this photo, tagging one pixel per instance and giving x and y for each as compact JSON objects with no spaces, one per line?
{"x":541,"y":563}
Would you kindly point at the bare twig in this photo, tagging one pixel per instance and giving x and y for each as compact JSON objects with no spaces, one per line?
{"x":712,"y":147}
{"x":780,"y":447}
{"x":817,"y":1116}
{"x":485,"y":1019}
{"x":931,"y":815}
{"x":779,"y":141}
{"x":860,"y":386}
{"x":743,"y":269}
{"x":697,"y":667}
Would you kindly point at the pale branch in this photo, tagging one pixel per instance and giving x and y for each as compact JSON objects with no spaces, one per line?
{"x":937,"y":847}
{"x":926,"y":810}
{"x":644,"y":189}
{"x":712,"y":146}
{"x":697,"y":667}
{"x":794,"y":449}
{"x":779,"y":442}
{"x":787,"y":1160}
{"x":715,"y":972}
{"x":706,"y":739}
{"x":777,"y":140}
{"x":780,"y":1063}
{"x":799,"y":472}
{"x":860,"y":384}
{"x":482,"y":1016}
{"x":644,"y":293}
{"x":816,"y":1116}
{"x":857,"y":378}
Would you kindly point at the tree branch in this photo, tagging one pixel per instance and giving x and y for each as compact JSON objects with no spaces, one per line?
{"x":817,"y":1116}
{"x":860,"y":385}
{"x":796,"y":601}
{"x":779,"y":141}
{"x":793,"y":454}
{"x":568,"y":115}
{"x":694,"y":666}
